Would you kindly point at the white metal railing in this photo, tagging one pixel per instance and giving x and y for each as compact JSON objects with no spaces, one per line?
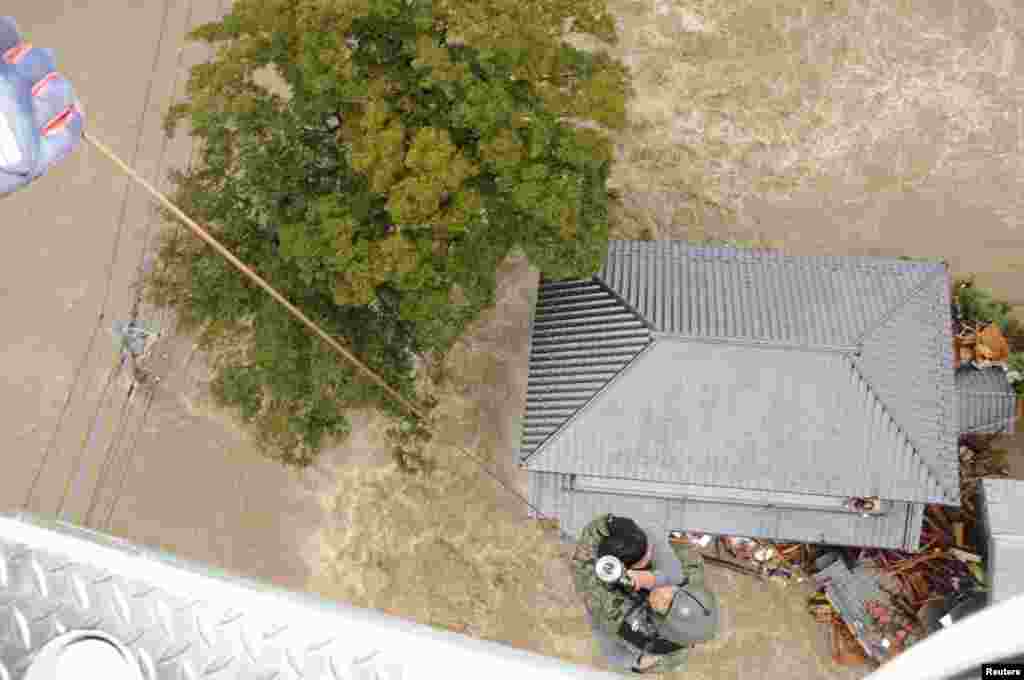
{"x":181,"y":619}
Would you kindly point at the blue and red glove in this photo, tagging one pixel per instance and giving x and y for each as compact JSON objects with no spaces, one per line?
{"x":40,"y":118}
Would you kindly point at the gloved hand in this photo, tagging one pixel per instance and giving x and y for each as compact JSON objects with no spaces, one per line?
{"x":642,"y":579}
{"x":40,"y":118}
{"x":645,"y":662}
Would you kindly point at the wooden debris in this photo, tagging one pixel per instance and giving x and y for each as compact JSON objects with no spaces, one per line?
{"x":992,"y":345}
{"x":939,"y":516}
{"x":958,"y":533}
{"x":915,"y":561}
{"x":904,"y":605}
{"x":964,"y":556}
{"x":718,"y":560}
{"x":732,"y":566}
{"x":921,"y":587}
{"x":964,"y":355}
{"x":846,"y":651}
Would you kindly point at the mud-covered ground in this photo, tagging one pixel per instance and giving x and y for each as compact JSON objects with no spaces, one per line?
{"x":843,"y":126}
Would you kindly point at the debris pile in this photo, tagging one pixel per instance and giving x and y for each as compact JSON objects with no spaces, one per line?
{"x":862,"y":609}
{"x":878,"y":602}
{"x":779,"y":563}
{"x":982,"y":345}
{"x":887,"y":600}
{"x":984,"y":333}
{"x":978,"y":459}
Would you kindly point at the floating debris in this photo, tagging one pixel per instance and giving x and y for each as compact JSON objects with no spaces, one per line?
{"x":134,"y":338}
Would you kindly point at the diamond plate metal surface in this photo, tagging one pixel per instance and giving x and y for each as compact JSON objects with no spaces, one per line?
{"x":183,"y":621}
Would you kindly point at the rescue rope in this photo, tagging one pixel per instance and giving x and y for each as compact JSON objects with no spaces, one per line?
{"x":258,"y":280}
{"x":253,"y":276}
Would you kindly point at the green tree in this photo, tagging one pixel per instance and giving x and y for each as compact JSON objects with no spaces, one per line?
{"x":412,"y":145}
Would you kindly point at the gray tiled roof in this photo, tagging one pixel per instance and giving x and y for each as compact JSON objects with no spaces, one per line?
{"x":875,"y":364}
{"x":900,"y":529}
{"x":987,"y":401}
{"x":1002,"y":502}
{"x":908,"y":362}
{"x":582,"y":336}
{"x":742,"y":417}
{"x":759,"y":294}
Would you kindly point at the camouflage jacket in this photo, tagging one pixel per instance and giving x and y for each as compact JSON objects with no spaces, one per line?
{"x":607,"y":606}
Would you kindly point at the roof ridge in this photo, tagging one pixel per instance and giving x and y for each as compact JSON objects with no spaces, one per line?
{"x":596,"y":278}
{"x":642,"y":339}
{"x":901,"y":432}
{"x":917,"y":291}
{"x":912,"y":296}
{"x":755,"y":342}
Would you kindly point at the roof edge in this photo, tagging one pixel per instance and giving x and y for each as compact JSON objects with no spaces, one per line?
{"x":950,"y":494}
{"x":918,"y":290}
{"x":727,"y":488}
{"x":596,"y":278}
{"x":699,"y":249}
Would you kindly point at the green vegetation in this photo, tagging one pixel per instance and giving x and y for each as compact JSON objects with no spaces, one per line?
{"x":979,"y":306}
{"x":1015,"y":372}
{"x":412,"y":145}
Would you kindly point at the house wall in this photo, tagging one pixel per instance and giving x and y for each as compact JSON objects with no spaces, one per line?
{"x":1002,"y":503}
{"x":900,"y":529}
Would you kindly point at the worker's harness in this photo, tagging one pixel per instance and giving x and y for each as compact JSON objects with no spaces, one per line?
{"x":638,"y":625}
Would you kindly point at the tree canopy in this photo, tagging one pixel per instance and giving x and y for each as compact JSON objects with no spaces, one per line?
{"x":412,"y":145}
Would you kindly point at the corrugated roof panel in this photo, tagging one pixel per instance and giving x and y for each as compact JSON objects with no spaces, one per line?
{"x":850,"y":592}
{"x":901,"y":361}
{"x":581,"y":336}
{"x":807,"y":293}
{"x":677,"y":295}
{"x":716,"y":299}
{"x":658,"y":514}
{"x":610,"y":313}
{"x":693,"y":412}
{"x":808,"y":299}
{"x":987,"y":400}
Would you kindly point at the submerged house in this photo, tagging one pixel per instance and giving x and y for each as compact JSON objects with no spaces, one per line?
{"x":744,"y":392}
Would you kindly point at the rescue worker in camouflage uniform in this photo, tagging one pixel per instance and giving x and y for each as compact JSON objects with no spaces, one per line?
{"x":655,"y":567}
